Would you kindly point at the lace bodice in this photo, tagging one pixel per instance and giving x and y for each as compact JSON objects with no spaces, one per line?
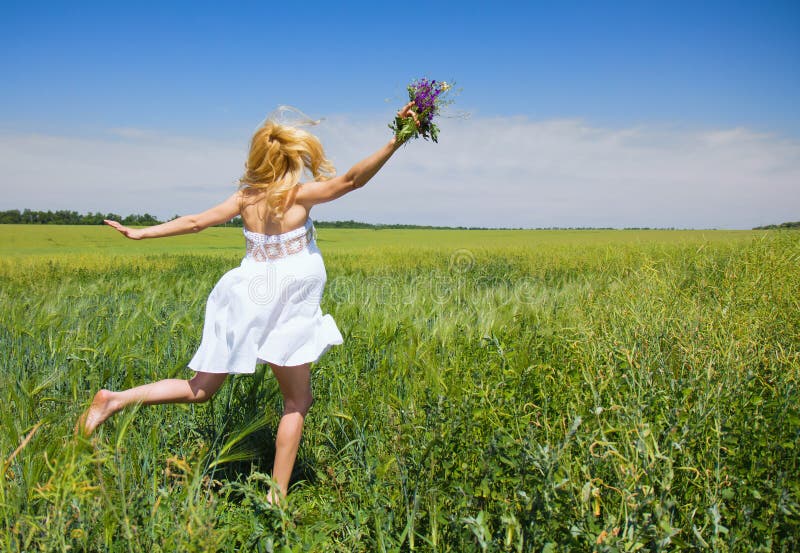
{"x":265,"y":247}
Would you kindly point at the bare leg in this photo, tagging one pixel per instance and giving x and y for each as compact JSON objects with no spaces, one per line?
{"x":171,"y":390}
{"x":295,"y":385}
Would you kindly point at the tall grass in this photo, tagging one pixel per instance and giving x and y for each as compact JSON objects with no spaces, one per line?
{"x":571,"y":397}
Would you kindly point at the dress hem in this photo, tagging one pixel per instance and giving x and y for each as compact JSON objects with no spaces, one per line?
{"x":262,"y":361}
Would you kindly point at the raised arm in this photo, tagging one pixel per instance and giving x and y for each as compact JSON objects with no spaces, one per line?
{"x":358,"y":175}
{"x":187,"y":224}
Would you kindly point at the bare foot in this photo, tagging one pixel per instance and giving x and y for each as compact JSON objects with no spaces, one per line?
{"x":100,"y":409}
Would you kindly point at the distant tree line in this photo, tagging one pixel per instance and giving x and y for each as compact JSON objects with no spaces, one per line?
{"x":66,"y":217}
{"x":795,"y":224}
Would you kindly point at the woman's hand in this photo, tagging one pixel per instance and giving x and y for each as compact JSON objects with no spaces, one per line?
{"x":406,"y":125}
{"x":409,"y":111}
{"x":132,"y":233}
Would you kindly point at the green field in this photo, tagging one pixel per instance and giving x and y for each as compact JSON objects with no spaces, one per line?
{"x":496,"y":391}
{"x":29,"y":240}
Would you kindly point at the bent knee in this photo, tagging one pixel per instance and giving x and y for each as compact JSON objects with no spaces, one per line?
{"x":200,"y":396}
{"x":200,"y":393}
{"x":299,"y":405}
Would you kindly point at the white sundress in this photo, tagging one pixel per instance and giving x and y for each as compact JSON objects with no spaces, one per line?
{"x":267,"y":309}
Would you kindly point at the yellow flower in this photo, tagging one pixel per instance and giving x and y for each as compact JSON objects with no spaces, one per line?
{"x":445,"y":86}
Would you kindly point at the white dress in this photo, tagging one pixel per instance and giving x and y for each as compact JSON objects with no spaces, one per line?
{"x":267,"y":309}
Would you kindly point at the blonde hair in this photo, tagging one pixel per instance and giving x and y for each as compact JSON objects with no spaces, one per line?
{"x":278,"y":157}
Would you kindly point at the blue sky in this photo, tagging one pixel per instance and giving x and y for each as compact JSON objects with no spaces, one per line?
{"x":212,"y":70}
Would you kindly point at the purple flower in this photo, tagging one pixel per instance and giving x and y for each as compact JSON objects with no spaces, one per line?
{"x":428,"y":97}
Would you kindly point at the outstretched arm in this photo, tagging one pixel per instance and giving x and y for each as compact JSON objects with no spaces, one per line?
{"x":221,"y":213}
{"x":318,"y":192}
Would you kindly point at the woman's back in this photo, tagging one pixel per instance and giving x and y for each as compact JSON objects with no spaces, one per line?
{"x":255,"y":218}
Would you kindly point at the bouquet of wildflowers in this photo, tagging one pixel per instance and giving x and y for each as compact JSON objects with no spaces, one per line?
{"x":428,"y":97}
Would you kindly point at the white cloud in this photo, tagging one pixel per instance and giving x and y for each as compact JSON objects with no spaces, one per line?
{"x":484,"y":172}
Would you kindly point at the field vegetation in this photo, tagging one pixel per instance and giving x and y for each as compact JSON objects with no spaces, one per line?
{"x":497,"y":391}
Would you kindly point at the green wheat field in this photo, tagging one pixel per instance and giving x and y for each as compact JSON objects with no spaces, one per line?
{"x":543,"y":391}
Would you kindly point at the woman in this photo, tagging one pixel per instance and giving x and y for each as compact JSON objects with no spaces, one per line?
{"x":266,"y":310}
